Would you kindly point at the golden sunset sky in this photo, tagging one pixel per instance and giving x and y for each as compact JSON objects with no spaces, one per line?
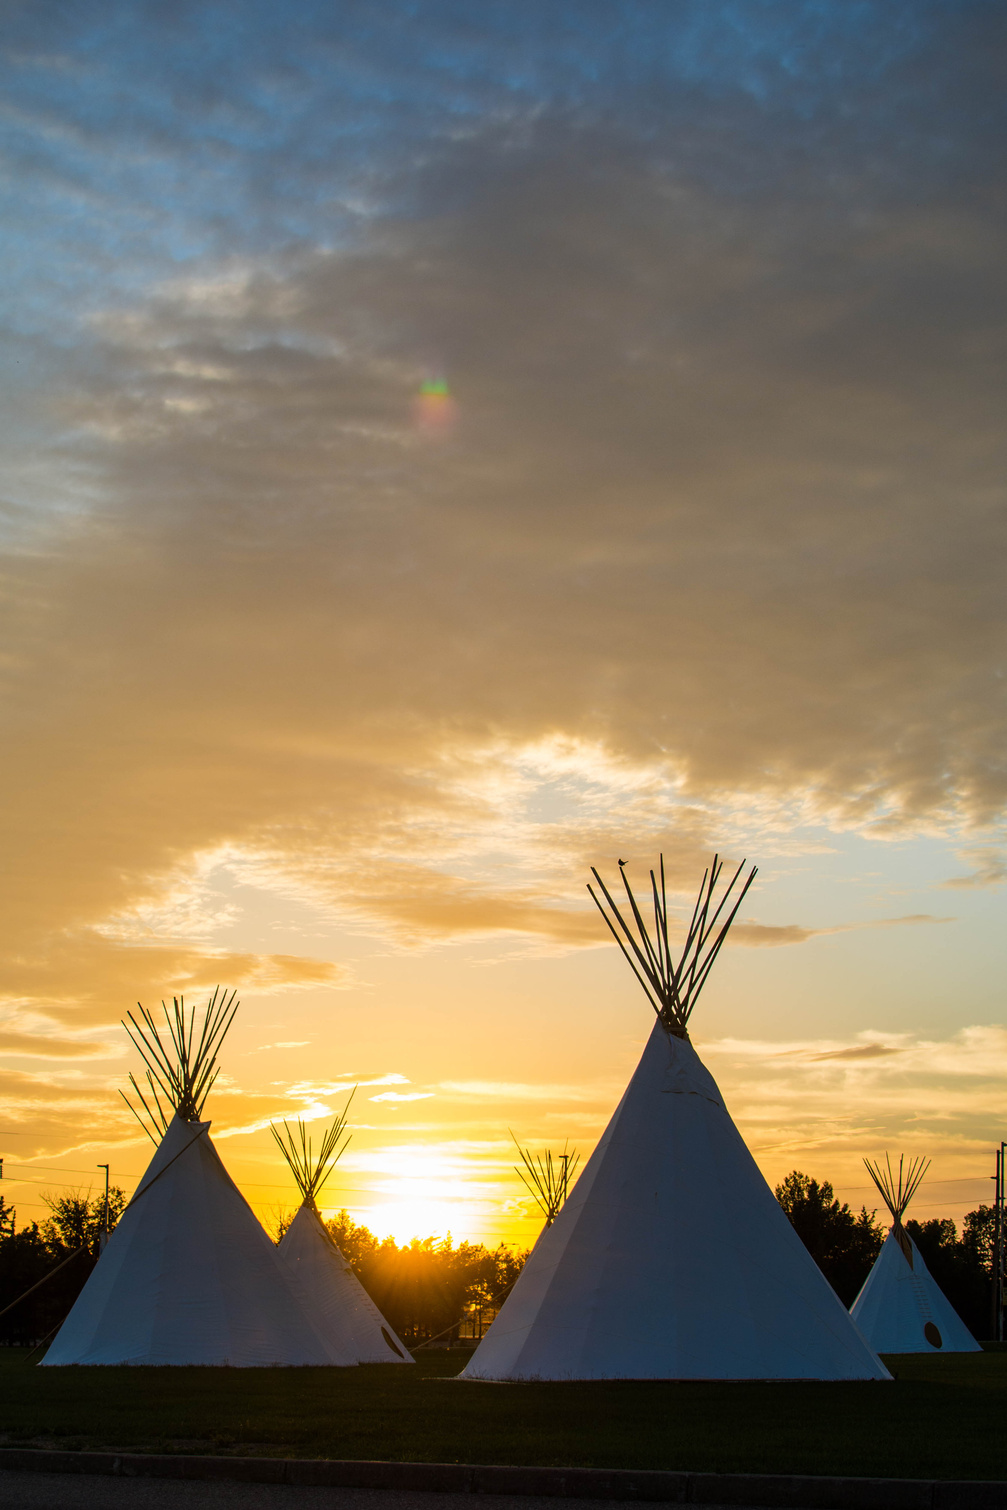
{"x":450,"y":445}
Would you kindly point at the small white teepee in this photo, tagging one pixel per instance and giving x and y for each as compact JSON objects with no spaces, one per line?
{"x":340,"y":1306}
{"x":901,"y":1308}
{"x":671,"y":1258}
{"x":188,"y":1276}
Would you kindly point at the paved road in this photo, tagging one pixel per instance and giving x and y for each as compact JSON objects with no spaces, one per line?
{"x":73,"y":1491}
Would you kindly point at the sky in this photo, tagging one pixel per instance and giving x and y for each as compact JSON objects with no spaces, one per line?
{"x":446,"y":445}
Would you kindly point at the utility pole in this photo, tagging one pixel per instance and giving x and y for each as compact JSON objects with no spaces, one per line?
{"x":997,"y":1250}
{"x":1000,"y":1247}
{"x":103,"y":1234}
{"x":993,"y":1251}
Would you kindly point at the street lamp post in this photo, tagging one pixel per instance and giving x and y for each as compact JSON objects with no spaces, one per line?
{"x":103,"y":1234}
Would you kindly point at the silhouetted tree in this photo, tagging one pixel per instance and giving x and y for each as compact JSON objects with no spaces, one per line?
{"x":77,"y":1220}
{"x":843,"y":1244}
{"x":25,"y":1259}
{"x":978,"y":1231}
{"x":69,"y":1237}
{"x":353,"y":1240}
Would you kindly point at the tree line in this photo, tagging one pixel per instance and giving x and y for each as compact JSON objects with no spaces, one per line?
{"x":427,"y":1286}
{"x":424,"y":1287}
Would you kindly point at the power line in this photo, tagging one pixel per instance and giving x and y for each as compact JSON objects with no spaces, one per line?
{"x":245,"y":1184}
{"x":965,"y":1179}
{"x":61,"y":1168}
{"x":380,"y":1196}
{"x":359,"y":1189}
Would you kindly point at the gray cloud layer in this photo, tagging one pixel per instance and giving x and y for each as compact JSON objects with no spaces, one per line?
{"x":724,"y":497}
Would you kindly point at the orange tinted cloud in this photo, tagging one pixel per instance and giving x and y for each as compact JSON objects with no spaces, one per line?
{"x":716,"y":552}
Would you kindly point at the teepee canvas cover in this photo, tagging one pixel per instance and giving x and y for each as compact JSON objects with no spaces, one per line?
{"x":340,"y":1307}
{"x":188,"y":1276}
{"x":901,"y":1308}
{"x":671,"y":1258}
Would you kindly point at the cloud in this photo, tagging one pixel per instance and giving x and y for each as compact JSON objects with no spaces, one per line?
{"x":701,"y":431}
{"x":989,"y":868}
{"x":417,"y":902}
{"x":824,"y":1104}
{"x":44,"y":1046}
{"x":859,"y":1051}
{"x":715,"y":546}
{"x":345,"y":1083}
{"x":402,"y":1096}
{"x":82,"y":977}
{"x":768,"y":935}
{"x":509,"y":1090}
{"x":912,"y":917}
{"x":239,"y":1110}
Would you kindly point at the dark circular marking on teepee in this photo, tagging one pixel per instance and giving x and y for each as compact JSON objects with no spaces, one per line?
{"x":932,"y":1335}
{"x":386,"y":1334}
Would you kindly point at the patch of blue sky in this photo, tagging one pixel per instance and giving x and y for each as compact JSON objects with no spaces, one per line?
{"x":224,"y":116}
{"x":209,"y":81}
{"x":874,"y":878}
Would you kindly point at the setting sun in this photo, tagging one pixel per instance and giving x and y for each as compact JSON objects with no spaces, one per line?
{"x":419,"y":1192}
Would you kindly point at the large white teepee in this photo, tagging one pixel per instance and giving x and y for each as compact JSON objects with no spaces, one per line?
{"x":901,"y":1308}
{"x":188,"y":1276}
{"x":340,"y":1306}
{"x":671,"y":1258}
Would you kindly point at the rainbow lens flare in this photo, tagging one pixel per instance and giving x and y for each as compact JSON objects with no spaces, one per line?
{"x":434,"y":410}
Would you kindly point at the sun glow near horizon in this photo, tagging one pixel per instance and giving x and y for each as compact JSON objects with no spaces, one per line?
{"x":419,"y":1191}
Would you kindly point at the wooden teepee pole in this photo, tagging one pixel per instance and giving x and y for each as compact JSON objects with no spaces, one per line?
{"x":179,"y":1065}
{"x":673,"y":989}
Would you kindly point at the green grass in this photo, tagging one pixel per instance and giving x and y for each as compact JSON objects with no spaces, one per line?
{"x":942,"y":1418}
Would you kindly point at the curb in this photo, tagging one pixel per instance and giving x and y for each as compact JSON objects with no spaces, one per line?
{"x":773,"y":1491}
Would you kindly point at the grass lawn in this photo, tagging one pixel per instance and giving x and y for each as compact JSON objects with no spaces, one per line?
{"x":942,"y":1418}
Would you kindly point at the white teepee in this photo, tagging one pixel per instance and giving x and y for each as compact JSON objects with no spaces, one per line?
{"x":671,"y":1258}
{"x":188,"y":1276}
{"x":901,"y":1308}
{"x":340,"y":1306}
